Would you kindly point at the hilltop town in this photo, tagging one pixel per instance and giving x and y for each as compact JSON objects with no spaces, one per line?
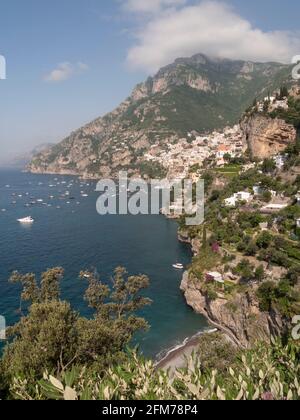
{"x":179,"y":159}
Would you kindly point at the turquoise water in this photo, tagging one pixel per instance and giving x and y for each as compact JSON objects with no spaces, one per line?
{"x":75,"y":237}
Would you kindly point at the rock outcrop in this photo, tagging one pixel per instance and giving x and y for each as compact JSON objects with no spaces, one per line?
{"x":240,"y":317}
{"x":265,"y":136}
{"x":195,"y":243}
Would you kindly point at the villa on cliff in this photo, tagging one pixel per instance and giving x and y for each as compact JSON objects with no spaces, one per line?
{"x":214,"y":276}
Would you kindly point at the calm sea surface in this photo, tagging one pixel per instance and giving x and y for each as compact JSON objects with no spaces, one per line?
{"x":69,"y":233}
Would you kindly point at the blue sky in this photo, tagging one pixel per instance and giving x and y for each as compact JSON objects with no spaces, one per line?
{"x":69,"y":61}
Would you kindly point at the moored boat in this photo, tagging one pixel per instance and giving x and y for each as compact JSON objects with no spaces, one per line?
{"x":27,"y":220}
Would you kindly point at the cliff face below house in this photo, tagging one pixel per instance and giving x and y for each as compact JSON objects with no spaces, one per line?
{"x":240,"y":317}
{"x":183,"y":236}
{"x":267,"y":137}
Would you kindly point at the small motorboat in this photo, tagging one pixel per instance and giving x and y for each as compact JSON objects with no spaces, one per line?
{"x":178,"y":266}
{"x":26,"y":220}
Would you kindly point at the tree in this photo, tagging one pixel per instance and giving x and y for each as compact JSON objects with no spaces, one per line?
{"x":245,"y":270}
{"x":293,"y":275}
{"x":260,"y":273}
{"x":265,"y":295}
{"x":227,"y":157}
{"x":268,"y":166}
{"x":264,"y":240}
{"x":284,"y":92}
{"x":54,"y":337}
{"x":48,"y":290}
{"x":251,"y":249}
{"x":46,"y":339}
{"x":267,"y":196}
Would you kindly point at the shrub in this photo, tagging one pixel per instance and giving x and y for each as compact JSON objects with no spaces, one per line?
{"x":268,"y":372}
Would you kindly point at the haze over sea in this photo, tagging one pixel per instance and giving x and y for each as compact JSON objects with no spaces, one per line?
{"x":69,"y":233}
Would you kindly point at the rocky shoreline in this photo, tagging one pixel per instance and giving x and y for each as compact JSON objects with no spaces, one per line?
{"x":239,"y":317}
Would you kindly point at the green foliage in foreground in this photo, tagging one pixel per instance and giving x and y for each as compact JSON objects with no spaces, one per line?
{"x":265,"y":373}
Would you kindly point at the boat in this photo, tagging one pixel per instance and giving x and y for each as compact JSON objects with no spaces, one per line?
{"x":178,"y":266}
{"x":28,"y":220}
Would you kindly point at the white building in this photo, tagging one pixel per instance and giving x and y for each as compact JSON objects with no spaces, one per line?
{"x":230,"y":202}
{"x":215,"y":276}
{"x":264,"y":226}
{"x":238,"y":197}
{"x":280,"y":161}
{"x":258,"y":190}
{"x":243,"y":196}
{"x":275,"y":207}
{"x":270,"y":98}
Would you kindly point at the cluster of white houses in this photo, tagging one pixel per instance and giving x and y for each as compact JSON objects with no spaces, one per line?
{"x":179,"y":158}
{"x":278,"y":202}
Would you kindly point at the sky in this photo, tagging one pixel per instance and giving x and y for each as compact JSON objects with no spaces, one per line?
{"x":70,"y":61}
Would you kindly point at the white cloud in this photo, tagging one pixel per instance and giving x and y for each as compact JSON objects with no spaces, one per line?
{"x":150,"y":6}
{"x":209,"y":27}
{"x":65,"y":71}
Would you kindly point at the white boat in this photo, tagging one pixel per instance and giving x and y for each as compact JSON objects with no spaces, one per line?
{"x":178,"y":266}
{"x":28,"y":220}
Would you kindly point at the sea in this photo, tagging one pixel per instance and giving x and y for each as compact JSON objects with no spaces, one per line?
{"x":68,"y":232}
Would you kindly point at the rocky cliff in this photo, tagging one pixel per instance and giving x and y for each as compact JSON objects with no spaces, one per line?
{"x":193,"y":94}
{"x":265,"y":136}
{"x":240,"y":317}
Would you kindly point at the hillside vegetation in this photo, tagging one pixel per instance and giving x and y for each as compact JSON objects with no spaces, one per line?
{"x":196,"y":94}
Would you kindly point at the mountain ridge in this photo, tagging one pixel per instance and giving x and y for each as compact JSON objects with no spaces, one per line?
{"x":197,"y":94}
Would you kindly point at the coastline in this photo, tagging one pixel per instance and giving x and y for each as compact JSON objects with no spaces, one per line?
{"x":174,"y":357}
